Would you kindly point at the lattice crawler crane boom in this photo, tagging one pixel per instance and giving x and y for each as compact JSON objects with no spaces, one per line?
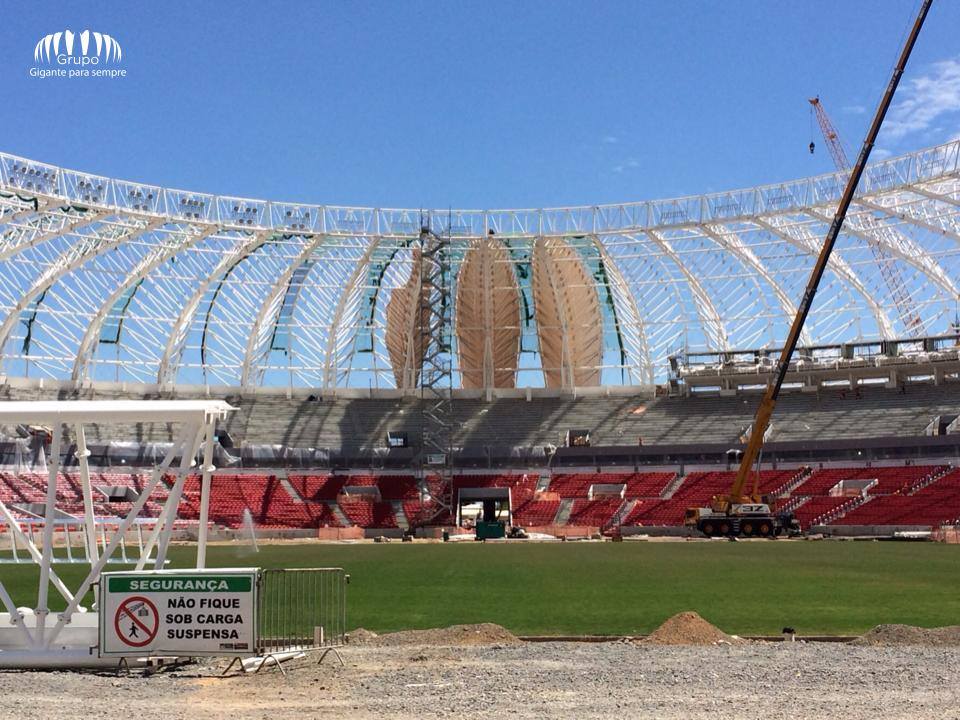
{"x":874,"y":231}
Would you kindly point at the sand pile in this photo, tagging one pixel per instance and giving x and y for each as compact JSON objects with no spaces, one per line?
{"x":688,"y":628}
{"x":890,"y":635}
{"x":478,"y":634}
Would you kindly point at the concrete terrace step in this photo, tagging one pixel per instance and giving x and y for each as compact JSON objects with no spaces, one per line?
{"x":563,"y":512}
{"x":291,"y":491}
{"x":339,"y":514}
{"x":795,"y":482}
{"x":930,"y":479}
{"x":840,"y":512}
{"x":401,"y":516}
{"x":672,"y":487}
{"x":793,"y":503}
{"x":622,"y":513}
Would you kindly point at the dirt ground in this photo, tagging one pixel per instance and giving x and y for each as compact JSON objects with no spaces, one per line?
{"x":892,"y":635}
{"x":525,"y":680}
{"x":457,"y":635}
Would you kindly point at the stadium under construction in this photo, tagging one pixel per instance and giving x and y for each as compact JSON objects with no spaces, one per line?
{"x":585,"y":367}
{"x":523,"y":433}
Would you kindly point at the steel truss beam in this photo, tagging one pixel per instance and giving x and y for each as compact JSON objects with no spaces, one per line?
{"x":40,"y":235}
{"x":898,"y":245}
{"x":927,"y":193}
{"x":731,"y":242}
{"x":909,"y":217}
{"x":261,"y":331}
{"x":632,"y":329}
{"x":349,"y":296}
{"x":182,"y":240}
{"x":434,"y":336}
{"x":41,"y":205}
{"x":908,"y":205}
{"x":172,"y":353}
{"x":837,"y":264}
{"x":710,"y":319}
{"x":75,"y":257}
{"x":42,"y":645}
{"x":258,"y":215}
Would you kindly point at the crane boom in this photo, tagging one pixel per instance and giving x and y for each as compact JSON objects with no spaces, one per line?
{"x":874,"y":232}
{"x":830,"y":135}
{"x":765,"y":410}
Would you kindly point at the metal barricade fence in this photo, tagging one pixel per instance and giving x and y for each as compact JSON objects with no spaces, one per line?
{"x":301,"y":609}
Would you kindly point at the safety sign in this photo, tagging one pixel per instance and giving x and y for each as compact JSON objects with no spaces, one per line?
{"x":136,"y":621}
{"x":179,"y":612}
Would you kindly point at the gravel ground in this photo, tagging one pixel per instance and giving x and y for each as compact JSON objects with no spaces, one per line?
{"x":534,"y":680}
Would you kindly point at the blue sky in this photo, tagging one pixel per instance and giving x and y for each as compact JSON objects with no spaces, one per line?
{"x":474,"y":104}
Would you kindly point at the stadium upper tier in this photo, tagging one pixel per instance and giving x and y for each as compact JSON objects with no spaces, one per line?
{"x":111,"y":280}
{"x":356,"y":429}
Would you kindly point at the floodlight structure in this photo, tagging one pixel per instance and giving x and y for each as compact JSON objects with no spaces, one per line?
{"x":39,"y":638}
{"x":111,"y":281}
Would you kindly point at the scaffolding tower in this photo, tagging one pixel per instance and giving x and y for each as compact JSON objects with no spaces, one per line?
{"x":435,"y":336}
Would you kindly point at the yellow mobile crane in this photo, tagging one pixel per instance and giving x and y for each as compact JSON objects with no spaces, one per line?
{"x":738,"y":513}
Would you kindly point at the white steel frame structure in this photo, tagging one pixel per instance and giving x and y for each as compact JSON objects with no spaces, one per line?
{"x":105,"y":280}
{"x":40,"y":639}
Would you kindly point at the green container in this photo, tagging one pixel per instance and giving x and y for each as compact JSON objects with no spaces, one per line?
{"x":487,"y":530}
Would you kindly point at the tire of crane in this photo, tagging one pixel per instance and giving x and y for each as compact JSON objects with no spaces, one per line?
{"x":724,"y":528}
{"x":707,"y":528}
{"x":746,"y":528}
{"x":765,"y":529}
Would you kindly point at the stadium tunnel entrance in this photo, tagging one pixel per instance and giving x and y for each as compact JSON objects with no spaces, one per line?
{"x":488,"y":509}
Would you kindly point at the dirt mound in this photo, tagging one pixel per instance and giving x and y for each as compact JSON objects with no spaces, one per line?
{"x":910,"y":635}
{"x":479,"y":634}
{"x":360,"y":636}
{"x":688,"y":628}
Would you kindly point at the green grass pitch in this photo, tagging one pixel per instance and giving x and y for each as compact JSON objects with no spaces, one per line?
{"x":614,"y":588}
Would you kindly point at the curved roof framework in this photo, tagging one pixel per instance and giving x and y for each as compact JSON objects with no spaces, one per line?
{"x":110,"y":280}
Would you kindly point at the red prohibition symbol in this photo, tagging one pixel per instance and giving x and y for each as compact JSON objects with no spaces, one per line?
{"x":137,"y":621}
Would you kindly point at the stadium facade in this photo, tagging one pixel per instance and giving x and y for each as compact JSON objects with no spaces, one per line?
{"x":105,"y":280}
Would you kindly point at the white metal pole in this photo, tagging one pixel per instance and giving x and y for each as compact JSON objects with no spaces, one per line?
{"x":139,"y":527}
{"x":13,"y":544}
{"x":15,"y":617}
{"x":208,"y":468}
{"x":170,"y":505}
{"x":190,"y":445}
{"x":48,"y":516}
{"x":90,"y":531}
{"x":66,"y":537}
{"x":33,"y":551}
